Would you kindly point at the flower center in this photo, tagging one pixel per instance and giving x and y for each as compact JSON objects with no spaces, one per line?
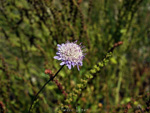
{"x":71,"y":51}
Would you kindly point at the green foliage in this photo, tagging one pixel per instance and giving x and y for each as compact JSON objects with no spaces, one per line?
{"x":30,"y":31}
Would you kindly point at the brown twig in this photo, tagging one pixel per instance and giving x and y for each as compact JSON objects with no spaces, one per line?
{"x":59,"y":85}
{"x":2,"y":107}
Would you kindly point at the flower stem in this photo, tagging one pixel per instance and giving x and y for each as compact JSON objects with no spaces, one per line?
{"x":51,"y":78}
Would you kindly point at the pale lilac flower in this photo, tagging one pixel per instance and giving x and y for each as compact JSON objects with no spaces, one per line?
{"x":70,"y":53}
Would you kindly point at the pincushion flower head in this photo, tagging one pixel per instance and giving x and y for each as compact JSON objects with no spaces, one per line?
{"x":70,"y":54}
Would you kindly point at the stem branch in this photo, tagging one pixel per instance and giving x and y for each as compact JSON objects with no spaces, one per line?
{"x":51,"y":78}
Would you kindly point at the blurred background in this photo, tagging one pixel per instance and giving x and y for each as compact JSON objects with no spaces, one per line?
{"x":30,"y":31}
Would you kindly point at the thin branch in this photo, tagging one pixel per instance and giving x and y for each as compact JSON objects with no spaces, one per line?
{"x":51,"y":79}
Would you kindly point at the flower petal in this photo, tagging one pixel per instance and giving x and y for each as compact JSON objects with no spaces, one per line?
{"x":78,"y":67}
{"x":58,"y":45}
{"x":62,"y":63}
{"x":69,"y":66}
{"x":73,"y":64}
{"x":57,"y":57}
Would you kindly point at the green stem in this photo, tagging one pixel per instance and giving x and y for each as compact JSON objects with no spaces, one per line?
{"x":43,"y":88}
{"x":118,"y":87}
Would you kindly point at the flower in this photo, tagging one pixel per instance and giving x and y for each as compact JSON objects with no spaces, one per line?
{"x":70,"y":53}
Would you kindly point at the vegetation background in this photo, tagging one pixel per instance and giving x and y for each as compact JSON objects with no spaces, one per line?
{"x":30,"y":31}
